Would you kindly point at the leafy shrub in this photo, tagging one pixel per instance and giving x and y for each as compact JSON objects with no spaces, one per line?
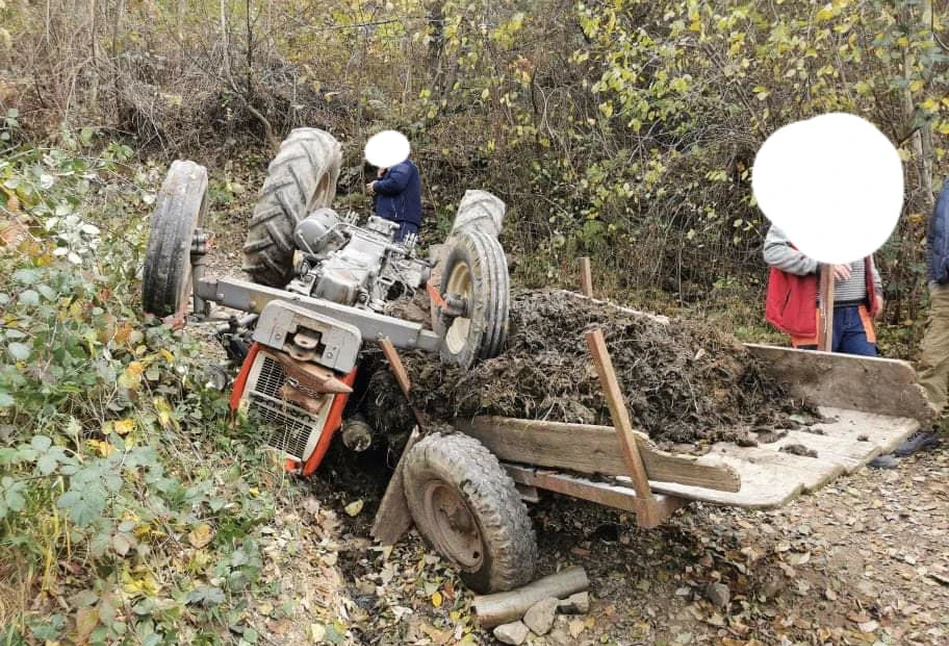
{"x":124,"y":493}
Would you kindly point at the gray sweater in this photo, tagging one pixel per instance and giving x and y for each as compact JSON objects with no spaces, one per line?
{"x":779,"y":253}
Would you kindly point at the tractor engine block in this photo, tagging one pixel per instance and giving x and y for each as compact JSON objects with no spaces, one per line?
{"x":352,"y":265}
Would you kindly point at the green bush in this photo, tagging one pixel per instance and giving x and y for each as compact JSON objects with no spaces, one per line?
{"x":124,"y":493}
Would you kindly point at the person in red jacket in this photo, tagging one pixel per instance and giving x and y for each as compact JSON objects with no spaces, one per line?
{"x":792,"y":301}
{"x":792,"y":306}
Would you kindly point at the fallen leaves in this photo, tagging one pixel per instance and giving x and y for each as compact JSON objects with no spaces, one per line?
{"x":200,"y":536}
{"x":576,"y":627}
{"x":141,"y":583}
{"x":868,"y":626}
{"x":353,"y":508}
{"x":131,"y":377}
{"x":123,"y":426}
{"x":122,"y":543}
{"x":86,"y":621}
{"x":317,"y":633}
{"x":103,"y":449}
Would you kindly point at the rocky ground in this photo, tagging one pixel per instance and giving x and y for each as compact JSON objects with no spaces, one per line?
{"x":864,"y":561}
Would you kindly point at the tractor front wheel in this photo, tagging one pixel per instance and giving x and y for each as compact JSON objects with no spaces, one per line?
{"x":476,"y":288}
{"x":180,"y":207}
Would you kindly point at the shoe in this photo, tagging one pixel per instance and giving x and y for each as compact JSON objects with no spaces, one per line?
{"x":916,"y":442}
{"x":884,"y":462}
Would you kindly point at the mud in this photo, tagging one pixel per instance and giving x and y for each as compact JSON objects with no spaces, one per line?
{"x":683,"y":381}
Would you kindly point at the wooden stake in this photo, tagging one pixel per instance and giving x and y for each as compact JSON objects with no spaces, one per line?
{"x":624,"y":428}
{"x":395,"y":364}
{"x":393,"y":518}
{"x":586,"y":277}
{"x":825,"y":326}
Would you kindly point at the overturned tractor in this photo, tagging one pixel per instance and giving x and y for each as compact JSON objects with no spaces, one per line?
{"x":321,"y":284}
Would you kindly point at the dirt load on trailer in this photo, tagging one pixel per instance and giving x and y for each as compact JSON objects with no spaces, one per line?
{"x":684,"y":381}
{"x":763,"y":424}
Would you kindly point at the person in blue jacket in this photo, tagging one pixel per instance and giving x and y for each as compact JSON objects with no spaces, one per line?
{"x":397,"y":196}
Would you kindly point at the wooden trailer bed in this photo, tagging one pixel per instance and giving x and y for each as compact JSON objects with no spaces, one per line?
{"x":767,"y":476}
{"x":870,"y":405}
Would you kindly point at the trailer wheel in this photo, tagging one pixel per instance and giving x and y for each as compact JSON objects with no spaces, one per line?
{"x":180,"y":207}
{"x":466,"y":506}
{"x":301,"y":178}
{"x":474,"y":275}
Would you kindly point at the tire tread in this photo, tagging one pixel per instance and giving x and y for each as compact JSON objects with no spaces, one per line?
{"x":492,"y":497}
{"x":305,"y":157}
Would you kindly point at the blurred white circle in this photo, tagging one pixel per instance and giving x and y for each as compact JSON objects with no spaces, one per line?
{"x":387,"y":148}
{"x":833,"y":184}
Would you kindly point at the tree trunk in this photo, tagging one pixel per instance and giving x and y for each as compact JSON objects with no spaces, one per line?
{"x":94,"y":47}
{"x":922,"y":138}
{"x":926,"y":129}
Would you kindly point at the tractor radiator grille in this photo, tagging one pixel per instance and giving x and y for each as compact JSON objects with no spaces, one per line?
{"x":292,"y":427}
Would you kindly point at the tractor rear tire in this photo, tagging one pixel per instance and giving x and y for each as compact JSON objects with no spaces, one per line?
{"x":479,"y":210}
{"x":467,"y":507}
{"x":180,"y":207}
{"x":476,"y":270}
{"x":301,"y":178}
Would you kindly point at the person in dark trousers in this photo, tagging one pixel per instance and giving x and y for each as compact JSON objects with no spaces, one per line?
{"x":934,"y":362}
{"x":792,"y":300}
{"x":397,"y":196}
{"x":792,"y":304}
{"x":933,"y":369}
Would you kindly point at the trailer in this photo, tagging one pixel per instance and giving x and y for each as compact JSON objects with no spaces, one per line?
{"x":868,"y":405}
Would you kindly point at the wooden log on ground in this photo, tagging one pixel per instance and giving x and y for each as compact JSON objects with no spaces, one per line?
{"x":503,"y":607}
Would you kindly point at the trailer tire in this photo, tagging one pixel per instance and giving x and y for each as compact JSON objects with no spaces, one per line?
{"x":466,"y":506}
{"x":475,"y":269}
{"x":301,"y":178}
{"x":180,"y":207}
